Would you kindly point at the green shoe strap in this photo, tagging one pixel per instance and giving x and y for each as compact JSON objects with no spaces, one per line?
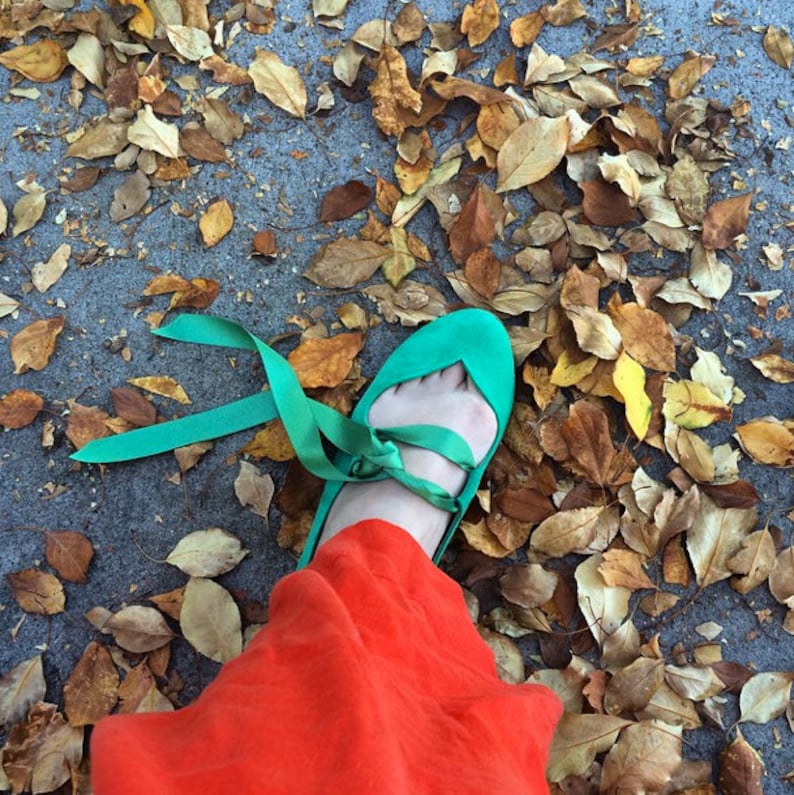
{"x":373,"y":452}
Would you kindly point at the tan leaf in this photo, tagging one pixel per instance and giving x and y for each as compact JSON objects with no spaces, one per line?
{"x":531,"y":152}
{"x":566,"y":531}
{"x":151,"y":134}
{"x":143,"y":23}
{"x":91,"y":691}
{"x":139,"y":629}
{"x":741,"y":768}
{"x":44,"y":752}
{"x":507,"y":656}
{"x":767,"y":441}
{"x":130,"y":197}
{"x":781,"y":579}
{"x":479,"y":21}
{"x":216,"y":222}
{"x":525,"y":29}
{"x":754,"y":561}
{"x":604,"y":607}
{"x":69,"y":553}
{"x":45,"y":274}
{"x":207,"y":553}
{"x":528,"y":585}
{"x":778,"y":46}
{"x":577,"y":740}
{"x":325,"y":362}
{"x":28,"y":210}
{"x":409,"y":24}
{"x":281,"y":84}
{"x":253,"y":489}
{"x":347,"y":63}
{"x":643,"y":759}
{"x":37,"y":592}
{"x":711,"y":277}
{"x":765,"y":696}
{"x":715,"y":538}
{"x":666,"y":705}
{"x":188,"y":456}
{"x":624,"y":567}
{"x":210,"y":620}
{"x":162,"y":385}
{"x":686,"y":75}
{"x":725,"y":220}
{"x":479,"y":537}
{"x":221,"y":122}
{"x":191,"y":43}
{"x":20,"y":688}
{"x":225,"y":72}
{"x":695,"y":682}
{"x":19,"y":408}
{"x":774,"y":367}
{"x":102,"y":139}
{"x":563,"y":12}
{"x":392,"y":92}
{"x":86,"y":423}
{"x":41,"y":62}
{"x":595,"y":332}
{"x":200,"y":145}
{"x":688,"y":187}
{"x":87,"y":56}
{"x":346,"y":262}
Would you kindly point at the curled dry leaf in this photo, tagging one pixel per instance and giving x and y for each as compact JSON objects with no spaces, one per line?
{"x":41,"y":62}
{"x":162,"y":385}
{"x":604,"y":607}
{"x":391,"y":91}
{"x":153,"y":135}
{"x":69,"y":553}
{"x":216,"y":222}
{"x":86,"y":423}
{"x":774,"y":367}
{"x":45,"y":274}
{"x":755,"y":560}
{"x":325,"y":362}
{"x":725,"y":220}
{"x":207,"y":553}
{"x":37,"y":592}
{"x":42,"y":753}
{"x":19,"y":408}
{"x":281,"y":84}
{"x":631,"y":688}
{"x":690,"y":405}
{"x":741,"y":768}
{"x":20,"y":688}
{"x":767,"y":441}
{"x":91,"y":691}
{"x":139,"y":629}
{"x":686,"y":75}
{"x":210,"y":620}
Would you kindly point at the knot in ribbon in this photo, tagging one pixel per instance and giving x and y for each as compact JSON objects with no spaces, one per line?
{"x":384,"y":456}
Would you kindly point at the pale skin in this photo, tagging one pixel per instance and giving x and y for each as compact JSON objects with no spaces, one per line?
{"x":447,"y":398}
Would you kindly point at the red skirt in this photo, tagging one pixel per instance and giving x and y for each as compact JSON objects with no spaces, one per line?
{"x":368,"y":678}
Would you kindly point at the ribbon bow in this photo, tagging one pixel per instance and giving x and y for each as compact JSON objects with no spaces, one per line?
{"x":365,"y":453}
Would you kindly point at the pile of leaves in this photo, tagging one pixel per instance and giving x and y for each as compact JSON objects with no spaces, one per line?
{"x":569,"y":186}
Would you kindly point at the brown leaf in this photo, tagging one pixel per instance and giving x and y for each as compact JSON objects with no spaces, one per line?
{"x":325,"y":362}
{"x":199,"y":294}
{"x":200,"y":145}
{"x":586,"y":433}
{"x":86,"y":423}
{"x":132,"y":406}
{"x":778,"y":46}
{"x":169,"y":602}
{"x":740,"y":494}
{"x":474,"y":227}
{"x":344,"y":201}
{"x":69,"y":553}
{"x":625,"y":567}
{"x":606,"y":204}
{"x":567,"y":531}
{"x":631,"y":688}
{"x":483,"y":272}
{"x":32,"y":347}
{"x":645,"y":334}
{"x":91,"y":691}
{"x":265,"y":243}
{"x":41,"y":62}
{"x":392,"y":92}
{"x":19,"y":408}
{"x":37,"y":592}
{"x":44,"y":752}
{"x":224,"y":72}
{"x":139,"y":629}
{"x":479,"y":21}
{"x":741,"y":768}
{"x":724,"y":220}
{"x":528,"y":585}
{"x":563,"y":12}
{"x":346,"y":262}
{"x":774,"y":367}
{"x":188,"y":456}
{"x":20,"y":688}
{"x":409,"y":24}
{"x":754,"y":561}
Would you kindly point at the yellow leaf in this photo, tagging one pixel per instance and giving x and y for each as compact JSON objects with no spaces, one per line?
{"x":216,"y":222}
{"x":629,"y":379}
{"x":41,"y":62}
{"x":567,"y":372}
{"x":143,"y":22}
{"x":767,"y":441}
{"x":693,"y":405}
{"x":162,"y":385}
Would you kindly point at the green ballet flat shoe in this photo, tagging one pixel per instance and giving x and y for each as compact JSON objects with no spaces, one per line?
{"x":473,"y":337}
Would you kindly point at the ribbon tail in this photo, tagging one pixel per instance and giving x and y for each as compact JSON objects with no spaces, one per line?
{"x":162,"y":437}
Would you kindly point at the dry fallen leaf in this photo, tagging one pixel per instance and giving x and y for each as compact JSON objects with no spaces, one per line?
{"x":779,"y":47}
{"x":37,"y":592}
{"x":91,"y":691}
{"x":19,"y":408}
{"x":479,"y":21}
{"x":765,"y":696}
{"x":210,"y":620}
{"x":344,"y":201}
{"x":724,"y":220}
{"x":139,"y":629}
{"x":41,"y":62}
{"x":532,"y":152}
{"x":254,"y":489}
{"x":281,"y":84}
{"x":20,"y":688}
{"x":45,"y":274}
{"x":69,"y":553}
{"x":346,"y":262}
{"x":774,"y":367}
{"x":162,"y":385}
{"x":32,"y":347}
{"x":207,"y":553}
{"x":325,"y":361}
{"x":741,"y":768}
{"x":767,"y":441}
{"x":216,"y":222}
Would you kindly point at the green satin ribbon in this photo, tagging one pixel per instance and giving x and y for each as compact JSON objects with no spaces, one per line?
{"x":364,"y":453}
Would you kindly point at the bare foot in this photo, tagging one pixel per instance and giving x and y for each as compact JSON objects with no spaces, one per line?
{"x":447,"y":398}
